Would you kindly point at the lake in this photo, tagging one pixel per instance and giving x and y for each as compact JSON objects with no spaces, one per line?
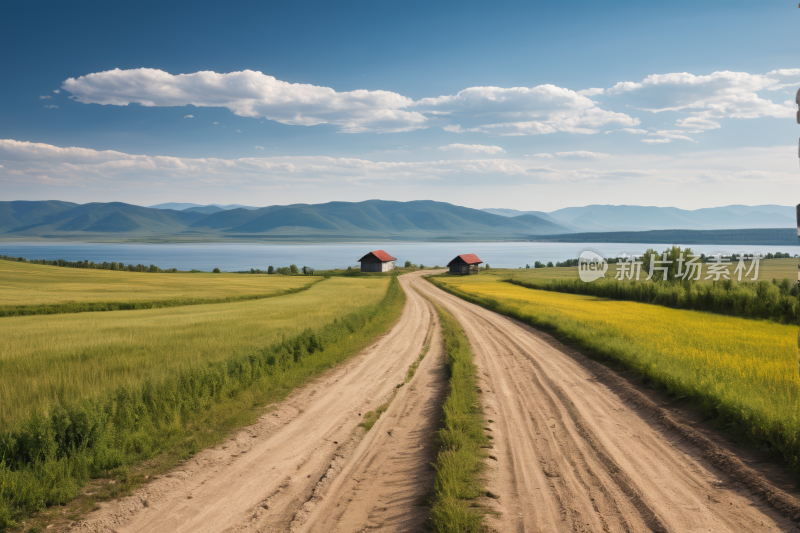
{"x":236,"y":256}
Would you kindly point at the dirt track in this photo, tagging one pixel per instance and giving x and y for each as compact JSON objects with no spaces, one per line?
{"x":572,"y":451}
{"x":573,"y":455}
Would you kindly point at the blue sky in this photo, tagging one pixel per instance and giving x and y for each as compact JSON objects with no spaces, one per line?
{"x":519,"y":105}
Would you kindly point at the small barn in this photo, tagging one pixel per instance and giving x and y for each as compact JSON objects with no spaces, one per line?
{"x":465,"y":264}
{"x":377,"y":261}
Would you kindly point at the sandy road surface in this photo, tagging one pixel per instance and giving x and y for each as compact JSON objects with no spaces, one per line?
{"x":272,"y":475}
{"x":573,"y":455}
{"x":571,"y":451}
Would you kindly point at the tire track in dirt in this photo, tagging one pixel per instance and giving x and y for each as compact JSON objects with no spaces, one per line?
{"x":383,"y":486}
{"x":272,"y":475}
{"x":572,"y":452}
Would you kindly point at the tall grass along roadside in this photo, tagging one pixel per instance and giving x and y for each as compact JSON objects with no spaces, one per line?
{"x":461,"y":439}
{"x":45,"y":458}
{"x":743,"y":373}
{"x":762,"y":299}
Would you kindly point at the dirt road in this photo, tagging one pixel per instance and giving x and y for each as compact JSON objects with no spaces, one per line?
{"x":273,"y":475}
{"x":573,"y":454}
{"x":572,"y":451}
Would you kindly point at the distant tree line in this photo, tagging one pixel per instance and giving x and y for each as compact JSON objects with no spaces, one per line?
{"x":776,"y":300}
{"x":89,"y":264}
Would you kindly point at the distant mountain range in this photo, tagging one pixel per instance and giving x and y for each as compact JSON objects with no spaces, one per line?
{"x":370,"y":220}
{"x":358,"y":221}
{"x":641,"y":218}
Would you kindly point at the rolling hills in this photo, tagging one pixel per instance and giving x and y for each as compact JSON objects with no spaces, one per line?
{"x":373,"y":219}
{"x":421,"y":220}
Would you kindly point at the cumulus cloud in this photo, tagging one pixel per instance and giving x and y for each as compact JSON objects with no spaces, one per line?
{"x":51,"y":106}
{"x":57,"y":91}
{"x":250,"y":94}
{"x":502,"y":111}
{"x":474,"y":148}
{"x":259,"y":147}
{"x":634,"y":131}
{"x":522,"y":110}
{"x":46,"y":97}
{"x":594,"y":91}
{"x":189,"y":116}
{"x":708,"y":98}
{"x":581,"y":154}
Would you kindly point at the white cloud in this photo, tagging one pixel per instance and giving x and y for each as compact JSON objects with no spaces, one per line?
{"x":57,"y":91}
{"x":581,"y":154}
{"x":189,"y":116}
{"x":710,"y":97}
{"x":51,"y":106}
{"x":474,"y":148}
{"x":698,"y":124}
{"x":217,"y":123}
{"x":503,"y":111}
{"x":47,"y":97}
{"x":594,"y":91}
{"x":671,"y":134}
{"x":239,"y":131}
{"x":543,"y":156}
{"x":634,"y":131}
{"x":250,"y":94}
{"x":741,"y":175}
{"x":523,"y":110}
{"x":657,"y":141}
{"x":259,"y":147}
{"x":87,"y":164}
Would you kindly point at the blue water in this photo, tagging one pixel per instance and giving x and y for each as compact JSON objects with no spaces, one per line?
{"x":234,"y":257}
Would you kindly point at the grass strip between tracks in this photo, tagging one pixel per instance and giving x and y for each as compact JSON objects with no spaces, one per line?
{"x":88,"y":307}
{"x":461,"y":440}
{"x":47,"y":459}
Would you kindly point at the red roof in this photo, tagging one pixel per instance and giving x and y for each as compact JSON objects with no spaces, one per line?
{"x":380,"y":255}
{"x":470,"y":259}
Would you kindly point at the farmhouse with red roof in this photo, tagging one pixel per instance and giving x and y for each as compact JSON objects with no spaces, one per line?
{"x":465,"y":264}
{"x":377,"y":261}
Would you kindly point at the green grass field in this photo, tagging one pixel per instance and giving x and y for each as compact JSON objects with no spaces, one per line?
{"x":86,"y":395}
{"x":742,"y":372}
{"x":61,"y":358}
{"x":29,"y":285}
